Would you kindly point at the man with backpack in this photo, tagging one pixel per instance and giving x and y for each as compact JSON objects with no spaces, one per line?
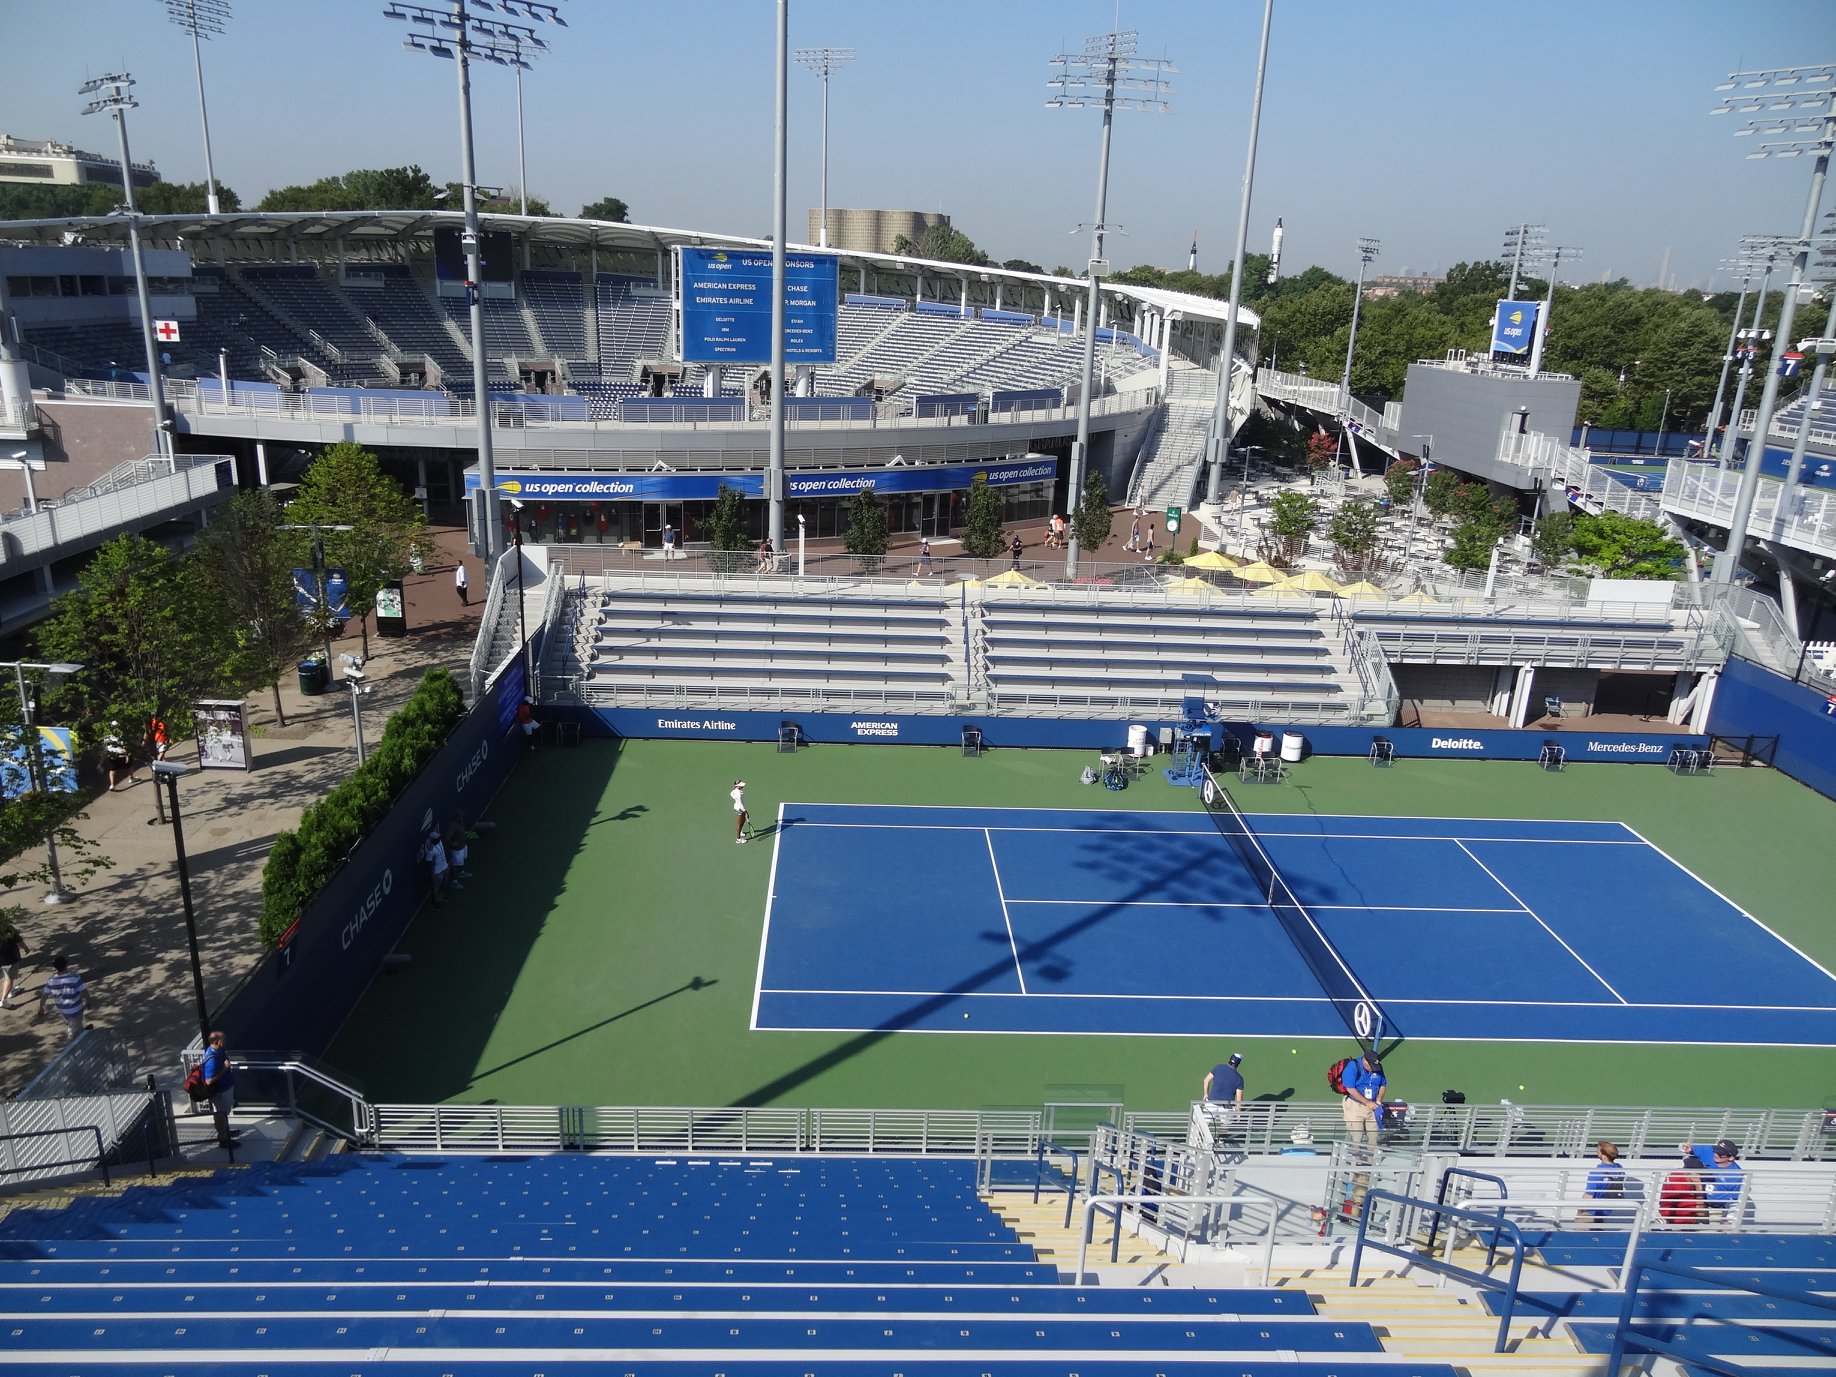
{"x":1363,"y":1084}
{"x":219,"y":1083}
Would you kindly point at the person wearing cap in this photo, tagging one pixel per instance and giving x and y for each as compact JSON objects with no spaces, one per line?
{"x":738,"y":795}
{"x":1365,"y":1086}
{"x":1720,"y":1176}
{"x":1219,"y":1098}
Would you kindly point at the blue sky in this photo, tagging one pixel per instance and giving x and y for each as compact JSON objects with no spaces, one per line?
{"x":1431,"y":125}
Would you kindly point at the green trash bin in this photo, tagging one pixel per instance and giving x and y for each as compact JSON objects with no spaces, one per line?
{"x":315,"y":677}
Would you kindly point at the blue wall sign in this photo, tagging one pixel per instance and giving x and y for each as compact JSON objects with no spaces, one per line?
{"x":726,"y":306}
{"x":1514,"y":327}
{"x":692,"y":487}
{"x":54,"y":755}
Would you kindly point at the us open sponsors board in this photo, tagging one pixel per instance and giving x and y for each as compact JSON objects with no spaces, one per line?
{"x":299,"y":997}
{"x":726,"y":306}
{"x":692,"y":487}
{"x":886,"y":729}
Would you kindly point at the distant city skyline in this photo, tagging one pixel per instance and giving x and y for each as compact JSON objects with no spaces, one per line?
{"x":1430,"y":126}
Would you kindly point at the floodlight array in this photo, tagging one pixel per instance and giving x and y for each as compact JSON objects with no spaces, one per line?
{"x":200,"y":18}
{"x":1105,"y":70}
{"x":1796,"y":105}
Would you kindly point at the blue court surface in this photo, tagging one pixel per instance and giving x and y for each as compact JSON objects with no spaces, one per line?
{"x":1066,"y":921}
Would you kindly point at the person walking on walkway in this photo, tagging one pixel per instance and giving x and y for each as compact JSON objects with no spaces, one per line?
{"x":115,"y":755}
{"x":67,"y":991}
{"x":924,"y":555}
{"x":462,"y":583}
{"x":13,"y":950}
{"x":1015,"y":550}
{"x":669,"y":542}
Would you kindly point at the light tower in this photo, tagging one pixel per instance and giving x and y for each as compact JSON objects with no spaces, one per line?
{"x":1106,"y":75}
{"x":202,"y":19}
{"x":1368,"y":249}
{"x":1757,"y":252}
{"x":113,"y":95}
{"x":1550,"y":258}
{"x":824,"y":61}
{"x":449,"y":30}
{"x":1799,"y":104}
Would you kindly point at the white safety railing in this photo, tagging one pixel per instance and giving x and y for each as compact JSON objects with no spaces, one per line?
{"x":497,"y":581}
{"x":54,"y":526}
{"x":1789,"y":514}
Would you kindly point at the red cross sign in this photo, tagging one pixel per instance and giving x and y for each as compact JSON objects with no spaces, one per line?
{"x":167,"y":330}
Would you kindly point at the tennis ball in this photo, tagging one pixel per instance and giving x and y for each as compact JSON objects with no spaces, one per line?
{"x":1520,"y":1087}
{"x":966,"y":1016}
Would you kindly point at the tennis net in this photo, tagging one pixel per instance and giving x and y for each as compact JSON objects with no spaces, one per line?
{"x":1363,"y":1016}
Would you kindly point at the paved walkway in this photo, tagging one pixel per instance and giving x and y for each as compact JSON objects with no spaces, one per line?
{"x":125,"y":932}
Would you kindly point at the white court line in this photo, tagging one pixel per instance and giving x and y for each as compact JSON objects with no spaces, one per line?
{"x":1788,"y":945}
{"x":1259,"y":833}
{"x":1054,"y":994}
{"x":1311,"y":999}
{"x":1544,"y":926}
{"x":1316,"y":908}
{"x":1179,"y":812}
{"x":771,"y":897}
{"x":1001,"y":894}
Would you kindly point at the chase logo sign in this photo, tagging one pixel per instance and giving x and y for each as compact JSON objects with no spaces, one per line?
{"x":366,"y":908}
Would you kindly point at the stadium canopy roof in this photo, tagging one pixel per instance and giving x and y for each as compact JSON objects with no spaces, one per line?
{"x":255,"y":233}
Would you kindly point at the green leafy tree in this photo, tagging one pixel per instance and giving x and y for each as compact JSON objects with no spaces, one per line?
{"x":34,"y":816}
{"x":1021,"y":265}
{"x":386,"y":188}
{"x":1553,"y":541}
{"x":1472,"y":543}
{"x":1091,"y":519}
{"x":345,"y":486}
{"x":1354,"y":533}
{"x":725,"y":528}
{"x":866,"y":537}
{"x":505,"y":202}
{"x":247,"y":561}
{"x":982,"y":520}
{"x":941,"y":244}
{"x":1613,"y":545}
{"x":1293,"y":518}
{"x":1399,"y":481}
{"x":1441,"y":492}
{"x":608,"y":208}
{"x":183,"y":198}
{"x":151,"y":636}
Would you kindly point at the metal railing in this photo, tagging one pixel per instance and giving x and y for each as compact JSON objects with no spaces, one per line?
{"x":1791,"y":514}
{"x":1484,"y":1281}
{"x":1625,"y":1337}
{"x":496,"y":586}
{"x":96,"y":1161}
{"x":300,"y":1088}
{"x":74,"y":518}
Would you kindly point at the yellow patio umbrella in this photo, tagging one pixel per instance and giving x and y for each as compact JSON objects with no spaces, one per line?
{"x":1311,"y":581}
{"x":1012,"y":578}
{"x":1364,"y":588}
{"x":1282,"y":589}
{"x":1421,"y":598}
{"x":1259,"y":572}
{"x":1213,"y":559}
{"x":1191,"y":586}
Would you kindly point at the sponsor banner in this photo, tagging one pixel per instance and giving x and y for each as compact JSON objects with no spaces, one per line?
{"x":1751,"y":700}
{"x":301,"y":995}
{"x":54,"y":757}
{"x":704,"y":487}
{"x":222,"y":734}
{"x":1514,"y":327}
{"x":726,"y":306}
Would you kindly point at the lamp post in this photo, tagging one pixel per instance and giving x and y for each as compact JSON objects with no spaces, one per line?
{"x":1220,"y":410}
{"x":354,"y":681}
{"x":35,"y":763}
{"x":823,"y":61}
{"x":451,"y":31}
{"x":1553,"y":257}
{"x":201,"y":19}
{"x":1421,"y":477}
{"x":1757,"y":255}
{"x":1106,"y":75}
{"x":113,"y":96}
{"x":1367,"y":250}
{"x":1800,"y":104}
{"x":168,"y":773}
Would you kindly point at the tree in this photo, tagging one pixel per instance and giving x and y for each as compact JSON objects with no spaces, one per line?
{"x":1472,"y":543}
{"x":1021,"y":265}
{"x":151,"y":637}
{"x":30,"y":818}
{"x":1553,"y":540}
{"x":866,"y":537}
{"x":505,"y":202}
{"x":247,"y":562}
{"x":1293,"y":517}
{"x":1091,"y":519}
{"x":1615,"y":546}
{"x":1399,"y":481}
{"x":1439,"y":494}
{"x":982,"y":521}
{"x":607,"y":208}
{"x":941,"y":244}
{"x":183,"y":198}
{"x":1354,"y":536}
{"x":346,"y":487}
{"x":387,"y":188}
{"x":725,"y":528}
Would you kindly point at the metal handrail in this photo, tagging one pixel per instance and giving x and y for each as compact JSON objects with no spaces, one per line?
{"x":1508,"y":1288}
{"x":101,"y":1157}
{"x":1625,"y":1337}
{"x":1093,"y":1203}
{"x":1440,"y":1198}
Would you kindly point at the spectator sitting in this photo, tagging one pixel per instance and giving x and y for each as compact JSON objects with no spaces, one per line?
{"x":1720,"y":1182}
{"x":1680,"y":1195}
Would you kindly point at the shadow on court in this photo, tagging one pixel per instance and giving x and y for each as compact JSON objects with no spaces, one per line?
{"x":696,"y":984}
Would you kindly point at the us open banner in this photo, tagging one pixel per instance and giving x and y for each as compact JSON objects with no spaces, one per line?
{"x":1514,"y":327}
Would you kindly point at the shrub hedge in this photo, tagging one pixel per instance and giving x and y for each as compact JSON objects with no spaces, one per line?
{"x":303,"y":861}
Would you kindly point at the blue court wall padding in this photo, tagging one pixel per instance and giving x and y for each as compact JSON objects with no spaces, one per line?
{"x":1025,"y":399}
{"x":1753,"y":701}
{"x":299,"y":997}
{"x":1074,"y":734}
{"x":667,"y":409}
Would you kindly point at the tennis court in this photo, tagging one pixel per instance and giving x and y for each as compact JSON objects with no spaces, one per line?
{"x":1049,"y":921}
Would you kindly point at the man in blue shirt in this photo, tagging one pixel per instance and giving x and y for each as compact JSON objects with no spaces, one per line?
{"x":220,"y":1085}
{"x":1219,"y":1099}
{"x":1721,"y":1175}
{"x":1364,"y":1090}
